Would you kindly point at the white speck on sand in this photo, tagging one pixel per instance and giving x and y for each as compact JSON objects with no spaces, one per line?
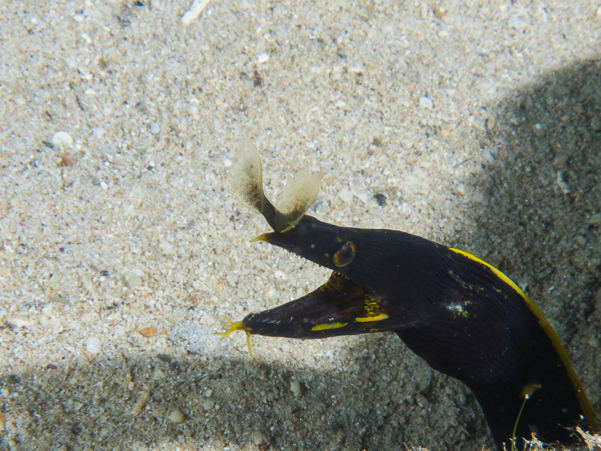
{"x":196,"y":9}
{"x":295,"y":387}
{"x":346,"y":194}
{"x":425,"y":102}
{"x":62,"y":140}
{"x":93,"y":345}
{"x":262,"y":58}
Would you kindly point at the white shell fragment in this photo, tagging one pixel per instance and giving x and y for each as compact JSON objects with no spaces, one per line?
{"x":262,"y":58}
{"x":425,"y":102}
{"x":295,"y":387}
{"x":346,"y":194}
{"x":62,"y":140}
{"x":93,"y":345}
{"x":177,"y":417}
{"x":196,"y":9}
{"x":141,"y":403}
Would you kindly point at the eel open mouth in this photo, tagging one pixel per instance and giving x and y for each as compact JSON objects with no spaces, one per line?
{"x":340,"y":306}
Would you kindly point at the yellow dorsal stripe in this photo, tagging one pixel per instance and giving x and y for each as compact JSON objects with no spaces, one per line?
{"x":582,"y":399}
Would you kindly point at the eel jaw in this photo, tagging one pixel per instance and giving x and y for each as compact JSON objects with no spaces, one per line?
{"x":339,"y":307}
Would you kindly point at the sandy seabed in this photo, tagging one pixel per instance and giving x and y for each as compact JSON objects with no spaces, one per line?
{"x":472,"y":123}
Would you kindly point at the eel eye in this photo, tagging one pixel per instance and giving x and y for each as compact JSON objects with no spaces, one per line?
{"x":345,"y":255}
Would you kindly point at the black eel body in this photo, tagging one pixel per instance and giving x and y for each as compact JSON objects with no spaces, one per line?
{"x":461,"y":315}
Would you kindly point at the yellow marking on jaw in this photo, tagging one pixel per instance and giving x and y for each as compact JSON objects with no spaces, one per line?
{"x":367,"y":319}
{"x":262,"y":237}
{"x":373,"y":311}
{"x":328,"y":326}
{"x":372,"y":306}
{"x":582,"y":399}
{"x":232,"y":326}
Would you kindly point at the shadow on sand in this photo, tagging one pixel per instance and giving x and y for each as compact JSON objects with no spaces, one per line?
{"x":538,"y":222}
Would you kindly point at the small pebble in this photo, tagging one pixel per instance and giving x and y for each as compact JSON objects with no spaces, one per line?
{"x":196,"y":9}
{"x":517,"y":22}
{"x":340,"y":104}
{"x":147,"y":332}
{"x":177,"y":417}
{"x":459,"y":189}
{"x":346,"y":194}
{"x":167,"y":248}
{"x":62,"y":140}
{"x":76,"y":406}
{"x":595,"y":219}
{"x":67,"y":159}
{"x":98,"y":132}
{"x":380,"y":199}
{"x":154,"y":128}
{"x":93,"y":345}
{"x":364,"y":197}
{"x":139,"y":405}
{"x":231,"y":280}
{"x":17,"y":323}
{"x":356,"y":70}
{"x":257,"y":437}
{"x":133,"y":281}
{"x":489,"y":156}
{"x":425,"y":102}
{"x":107,"y":152}
{"x":262,"y":58}
{"x":562,"y":184}
{"x":295,"y":387}
{"x":560,"y":160}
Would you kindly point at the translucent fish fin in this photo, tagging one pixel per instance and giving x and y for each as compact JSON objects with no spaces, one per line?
{"x":245,"y":177}
{"x":298,"y":195}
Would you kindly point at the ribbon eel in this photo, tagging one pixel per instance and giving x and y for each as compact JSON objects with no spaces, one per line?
{"x":464,"y":317}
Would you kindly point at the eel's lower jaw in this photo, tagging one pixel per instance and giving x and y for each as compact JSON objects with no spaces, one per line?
{"x":339,"y":307}
{"x":303,"y":318}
